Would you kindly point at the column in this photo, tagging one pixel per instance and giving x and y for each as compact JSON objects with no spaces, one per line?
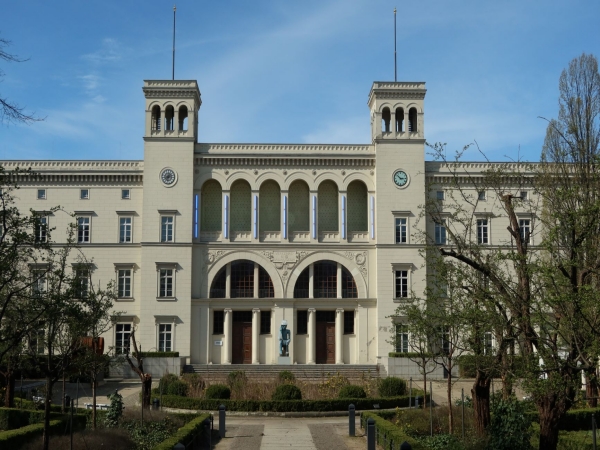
{"x":209,"y":329}
{"x":311,"y":281}
{"x":284,"y":215}
{"x":255,"y":218}
{"x":228,"y":335}
{"x":255,"y":292}
{"x":255,"y":333}
{"x":339,"y":336}
{"x":339,"y":281}
{"x":343,"y":214}
{"x":226,"y":215}
{"x":312,"y":335}
{"x":314,"y":212}
{"x":393,"y":121}
{"x":228,"y":280}
{"x":372,"y":216}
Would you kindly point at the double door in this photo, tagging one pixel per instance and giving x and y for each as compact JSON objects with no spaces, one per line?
{"x":325,"y":337}
{"x":242,"y":338}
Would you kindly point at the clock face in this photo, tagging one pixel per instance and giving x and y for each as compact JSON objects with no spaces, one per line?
{"x":167,"y":176}
{"x":400,"y":178}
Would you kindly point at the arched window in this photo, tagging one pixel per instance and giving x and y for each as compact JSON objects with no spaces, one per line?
{"x":328,"y":207}
{"x":156,"y":118}
{"x":169,"y":117}
{"x":358,"y":209}
{"x":242,"y":279}
{"x":217,"y":290}
{"x":386,"y":117}
{"x":412,"y":120}
{"x":399,"y":120}
{"x":183,"y":118}
{"x":325,"y":279}
{"x":211,"y":206}
{"x":348,"y":285}
{"x":269,"y":207}
{"x":299,"y":209}
{"x":241,"y":208}
{"x":265,"y":284}
{"x":302,"y":285}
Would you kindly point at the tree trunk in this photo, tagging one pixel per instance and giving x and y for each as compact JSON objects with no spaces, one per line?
{"x":9,"y":397}
{"x":425,"y":390}
{"x":591,"y":387}
{"x":94,"y":383}
{"x":47,"y":403}
{"x":62,"y":402}
{"x":549,"y":418}
{"x":481,"y":402}
{"x":450,"y":412}
{"x":146,"y":389}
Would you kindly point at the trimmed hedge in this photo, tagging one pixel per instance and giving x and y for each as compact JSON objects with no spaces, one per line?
{"x":573,"y":420}
{"x":285,"y":392}
{"x":216,"y":392}
{"x":158,"y":354}
{"x":352,"y":391}
{"x":413,"y":355}
{"x":388,"y":432}
{"x":392,"y":387}
{"x":185,"y":434}
{"x":172,"y":401}
{"x":19,"y":437}
{"x":11,"y":418}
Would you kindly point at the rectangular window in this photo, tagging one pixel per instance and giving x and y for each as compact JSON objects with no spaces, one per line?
{"x":525,"y":226}
{"x":440,"y":232}
{"x":125,"y":194}
{"x":82,"y":280}
{"x":401,"y":236}
{"x":482,"y":231}
{"x":122,"y":333}
{"x":41,"y":230}
{"x":124,"y":230}
{"x":349,"y":322}
{"x":83,"y":230}
{"x":166,"y":283}
{"x":265,"y":322}
{"x":38,"y":285}
{"x":124,"y":283}
{"x":38,"y":341}
{"x":481,"y":195}
{"x":84,"y":194}
{"x":488,"y":343}
{"x":524,"y":195}
{"x":440,"y":195}
{"x":302,"y":321}
{"x":401,"y":284}
{"x":41,"y":194}
{"x":445,"y":340}
{"x":166,"y":228}
{"x":218,"y":322}
{"x":402,"y":338}
{"x":165,"y":337}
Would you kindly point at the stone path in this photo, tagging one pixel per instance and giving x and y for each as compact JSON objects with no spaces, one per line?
{"x":269,"y":433}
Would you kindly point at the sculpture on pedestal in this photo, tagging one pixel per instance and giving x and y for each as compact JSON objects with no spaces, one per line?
{"x":284,"y":339}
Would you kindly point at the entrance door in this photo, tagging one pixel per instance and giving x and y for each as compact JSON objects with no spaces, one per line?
{"x":325,"y":343}
{"x":242,"y":343}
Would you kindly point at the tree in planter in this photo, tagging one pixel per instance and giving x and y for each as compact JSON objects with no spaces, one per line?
{"x":145,"y":378}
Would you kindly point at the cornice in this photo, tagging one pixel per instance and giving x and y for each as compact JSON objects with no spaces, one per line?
{"x":262,"y":149}
{"x":75,"y":165}
{"x":266,"y":161}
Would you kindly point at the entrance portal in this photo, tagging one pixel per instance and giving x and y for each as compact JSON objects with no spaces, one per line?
{"x":325,"y":337}
{"x":242,"y":338}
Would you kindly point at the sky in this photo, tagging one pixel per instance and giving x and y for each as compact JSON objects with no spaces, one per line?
{"x":274,"y":71}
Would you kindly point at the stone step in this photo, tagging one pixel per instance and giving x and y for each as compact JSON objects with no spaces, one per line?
{"x":312,"y":372}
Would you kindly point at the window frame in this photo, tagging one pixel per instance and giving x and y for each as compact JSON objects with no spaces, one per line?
{"x":349,"y":331}
{"x":164,"y":333}
{"x":160,"y":237}
{"x":264,"y":330}
{"x":160,"y":267}
{"x":123,"y":197}
{"x":216,"y":314}
{"x":84,"y":194}
{"x":484,"y":230}
{"x":401,"y":268}
{"x":42,"y":194}
{"x":301,"y":330}
{"x":41,"y":229}
{"x":119,"y":350}
{"x":401,"y":329}
{"x":441,"y":225}
{"x":89,"y":228}
{"x":440,"y":195}
{"x":120,"y":232}
{"x":83,"y":272}
{"x":481,"y":195}
{"x":398,"y":218}
{"x":529,"y":227}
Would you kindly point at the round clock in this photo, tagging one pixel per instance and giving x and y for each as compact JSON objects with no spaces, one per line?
{"x":400,"y":178}
{"x":168,"y":177}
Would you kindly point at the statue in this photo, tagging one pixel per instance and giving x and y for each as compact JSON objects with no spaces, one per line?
{"x":284,"y":340}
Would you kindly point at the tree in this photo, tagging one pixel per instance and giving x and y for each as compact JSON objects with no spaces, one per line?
{"x":145,"y":378}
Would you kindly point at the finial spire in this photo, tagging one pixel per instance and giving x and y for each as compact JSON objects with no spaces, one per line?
{"x":174,"y":12}
{"x":395,"y":58}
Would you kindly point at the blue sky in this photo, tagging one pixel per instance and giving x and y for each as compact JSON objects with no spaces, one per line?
{"x":289,"y":72}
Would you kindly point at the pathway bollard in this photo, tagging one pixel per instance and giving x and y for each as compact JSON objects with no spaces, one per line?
{"x":351,"y":420}
{"x":179,"y":446}
{"x":371,"y":434}
{"x":222,"y":421}
{"x":207,"y":432}
{"x":405,"y":446}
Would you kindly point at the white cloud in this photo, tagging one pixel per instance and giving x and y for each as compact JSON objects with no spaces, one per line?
{"x":110,"y":51}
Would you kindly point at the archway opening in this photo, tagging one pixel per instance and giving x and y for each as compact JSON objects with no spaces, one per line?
{"x":299,"y":209}
{"x":328,"y":207}
{"x":241,"y":208}
{"x":358,"y":208}
{"x":211,"y":205}
{"x":269,"y":207}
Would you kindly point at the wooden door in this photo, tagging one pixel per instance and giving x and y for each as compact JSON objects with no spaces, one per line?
{"x":325,"y":343}
{"x":241,"y":343}
{"x":247,"y":342}
{"x":330,"y":337}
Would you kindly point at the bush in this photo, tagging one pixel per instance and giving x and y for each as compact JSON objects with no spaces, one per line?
{"x":19,"y":437}
{"x":185,"y":434}
{"x":217,"y":392}
{"x":392,"y":387}
{"x":509,"y":428}
{"x":165,"y":381}
{"x":115,"y":410}
{"x":178,"y":388}
{"x":352,"y":391}
{"x":285,"y":376}
{"x":236,"y":378}
{"x":387,"y":431}
{"x":287,"y":392}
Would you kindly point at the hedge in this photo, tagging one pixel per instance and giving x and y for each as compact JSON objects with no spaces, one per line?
{"x":413,"y":355}
{"x":157,"y":354}
{"x":388,"y":434}
{"x":467,"y":365}
{"x":573,"y":420}
{"x":19,"y":437}
{"x":11,"y":418}
{"x":172,"y":401}
{"x":185,"y":434}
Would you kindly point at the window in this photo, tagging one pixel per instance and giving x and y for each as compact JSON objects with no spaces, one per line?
{"x":402,"y":338}
{"x":165,"y":287}
{"x":302,"y":321}
{"x":166,"y":228}
{"x":84,"y":194}
{"x":218,"y":288}
{"x":349,"y":322}
{"x":440,"y":195}
{"x":265,"y":322}
{"x":482,"y":231}
{"x":488,"y":343}
{"x":481,"y":196}
{"x":401,"y":236}
{"x":524,"y":195}
{"x":165,"y":342}
{"x":83,"y":230}
{"x":401,"y":284}
{"x":82,"y":283}
{"x":41,"y":194}
{"x":325,"y":279}
{"x":440,"y":232}
{"x":301,"y":288}
{"x":525,"y":227}
{"x":37,"y":341}
{"x":41,"y":229}
{"x":124,"y":283}
{"x":218,"y":322}
{"x":265,"y":284}
{"x":124,"y":230}
{"x":242,"y":279}
{"x":38,"y":285}
{"x":125,"y":194}
{"x":122,"y":333}
{"x":445,"y":340}
{"x":349,"y":289}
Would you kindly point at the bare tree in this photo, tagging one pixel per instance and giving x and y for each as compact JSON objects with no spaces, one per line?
{"x":145,"y":377}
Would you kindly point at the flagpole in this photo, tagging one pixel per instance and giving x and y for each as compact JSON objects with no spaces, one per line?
{"x":395,"y":58}
{"x":174,"y":11}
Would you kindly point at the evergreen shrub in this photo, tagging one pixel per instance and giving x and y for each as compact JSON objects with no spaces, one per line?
{"x":352,"y":391}
{"x":287,"y":392}
{"x":217,"y":392}
{"x":285,"y":376}
{"x":392,"y":387}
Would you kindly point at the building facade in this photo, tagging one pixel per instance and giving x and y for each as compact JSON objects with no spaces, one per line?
{"x":212,"y":246}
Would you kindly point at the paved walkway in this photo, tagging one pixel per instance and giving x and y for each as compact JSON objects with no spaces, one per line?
{"x":269,"y":433}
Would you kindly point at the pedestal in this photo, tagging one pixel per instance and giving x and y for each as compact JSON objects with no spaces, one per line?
{"x":284,"y":360}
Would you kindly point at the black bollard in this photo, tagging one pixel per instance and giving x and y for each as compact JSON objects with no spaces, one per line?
{"x":405,"y":446}
{"x":155,"y":404}
{"x":207,"y":432}
{"x":371,"y":434}
{"x":222,"y":421}
{"x":351,"y":420}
